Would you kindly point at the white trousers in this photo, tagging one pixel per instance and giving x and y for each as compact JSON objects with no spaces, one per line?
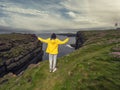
{"x":52,"y":61}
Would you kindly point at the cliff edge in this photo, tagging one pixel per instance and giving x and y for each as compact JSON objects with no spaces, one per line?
{"x":17,"y":51}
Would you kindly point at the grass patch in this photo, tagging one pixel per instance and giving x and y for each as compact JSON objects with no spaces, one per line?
{"x":89,"y":68}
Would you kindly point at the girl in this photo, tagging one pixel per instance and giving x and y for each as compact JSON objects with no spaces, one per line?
{"x":52,"y":49}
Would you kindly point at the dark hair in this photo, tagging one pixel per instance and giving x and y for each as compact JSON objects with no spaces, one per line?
{"x":53,"y":36}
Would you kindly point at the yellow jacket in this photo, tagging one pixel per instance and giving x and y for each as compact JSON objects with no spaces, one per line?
{"x":53,"y":44}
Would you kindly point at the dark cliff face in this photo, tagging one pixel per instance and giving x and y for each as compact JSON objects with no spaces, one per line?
{"x":17,"y":51}
{"x":118,"y":29}
{"x":80,"y":39}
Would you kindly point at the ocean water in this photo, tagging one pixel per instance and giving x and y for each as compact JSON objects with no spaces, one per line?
{"x":63,"y":49}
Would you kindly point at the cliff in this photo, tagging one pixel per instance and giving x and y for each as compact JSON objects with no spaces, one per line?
{"x":94,"y":66}
{"x":80,"y":39}
{"x":17,"y":51}
{"x":87,"y":37}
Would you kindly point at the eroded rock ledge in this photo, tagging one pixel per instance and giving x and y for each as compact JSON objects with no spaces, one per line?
{"x":80,"y":39}
{"x":17,"y":51}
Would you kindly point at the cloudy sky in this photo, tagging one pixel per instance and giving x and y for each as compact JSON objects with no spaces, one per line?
{"x":59,"y":14}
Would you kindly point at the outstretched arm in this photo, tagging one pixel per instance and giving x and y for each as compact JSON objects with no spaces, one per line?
{"x":43,"y":40}
{"x":64,"y":41}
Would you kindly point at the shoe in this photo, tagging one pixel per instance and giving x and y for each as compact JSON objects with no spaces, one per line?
{"x":54,"y":69}
{"x":50,"y":70}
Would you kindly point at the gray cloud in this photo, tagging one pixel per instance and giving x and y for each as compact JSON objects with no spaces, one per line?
{"x":59,"y":14}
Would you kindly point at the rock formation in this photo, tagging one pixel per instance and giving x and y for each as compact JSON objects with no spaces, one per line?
{"x":79,"y":40}
{"x":17,"y":51}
